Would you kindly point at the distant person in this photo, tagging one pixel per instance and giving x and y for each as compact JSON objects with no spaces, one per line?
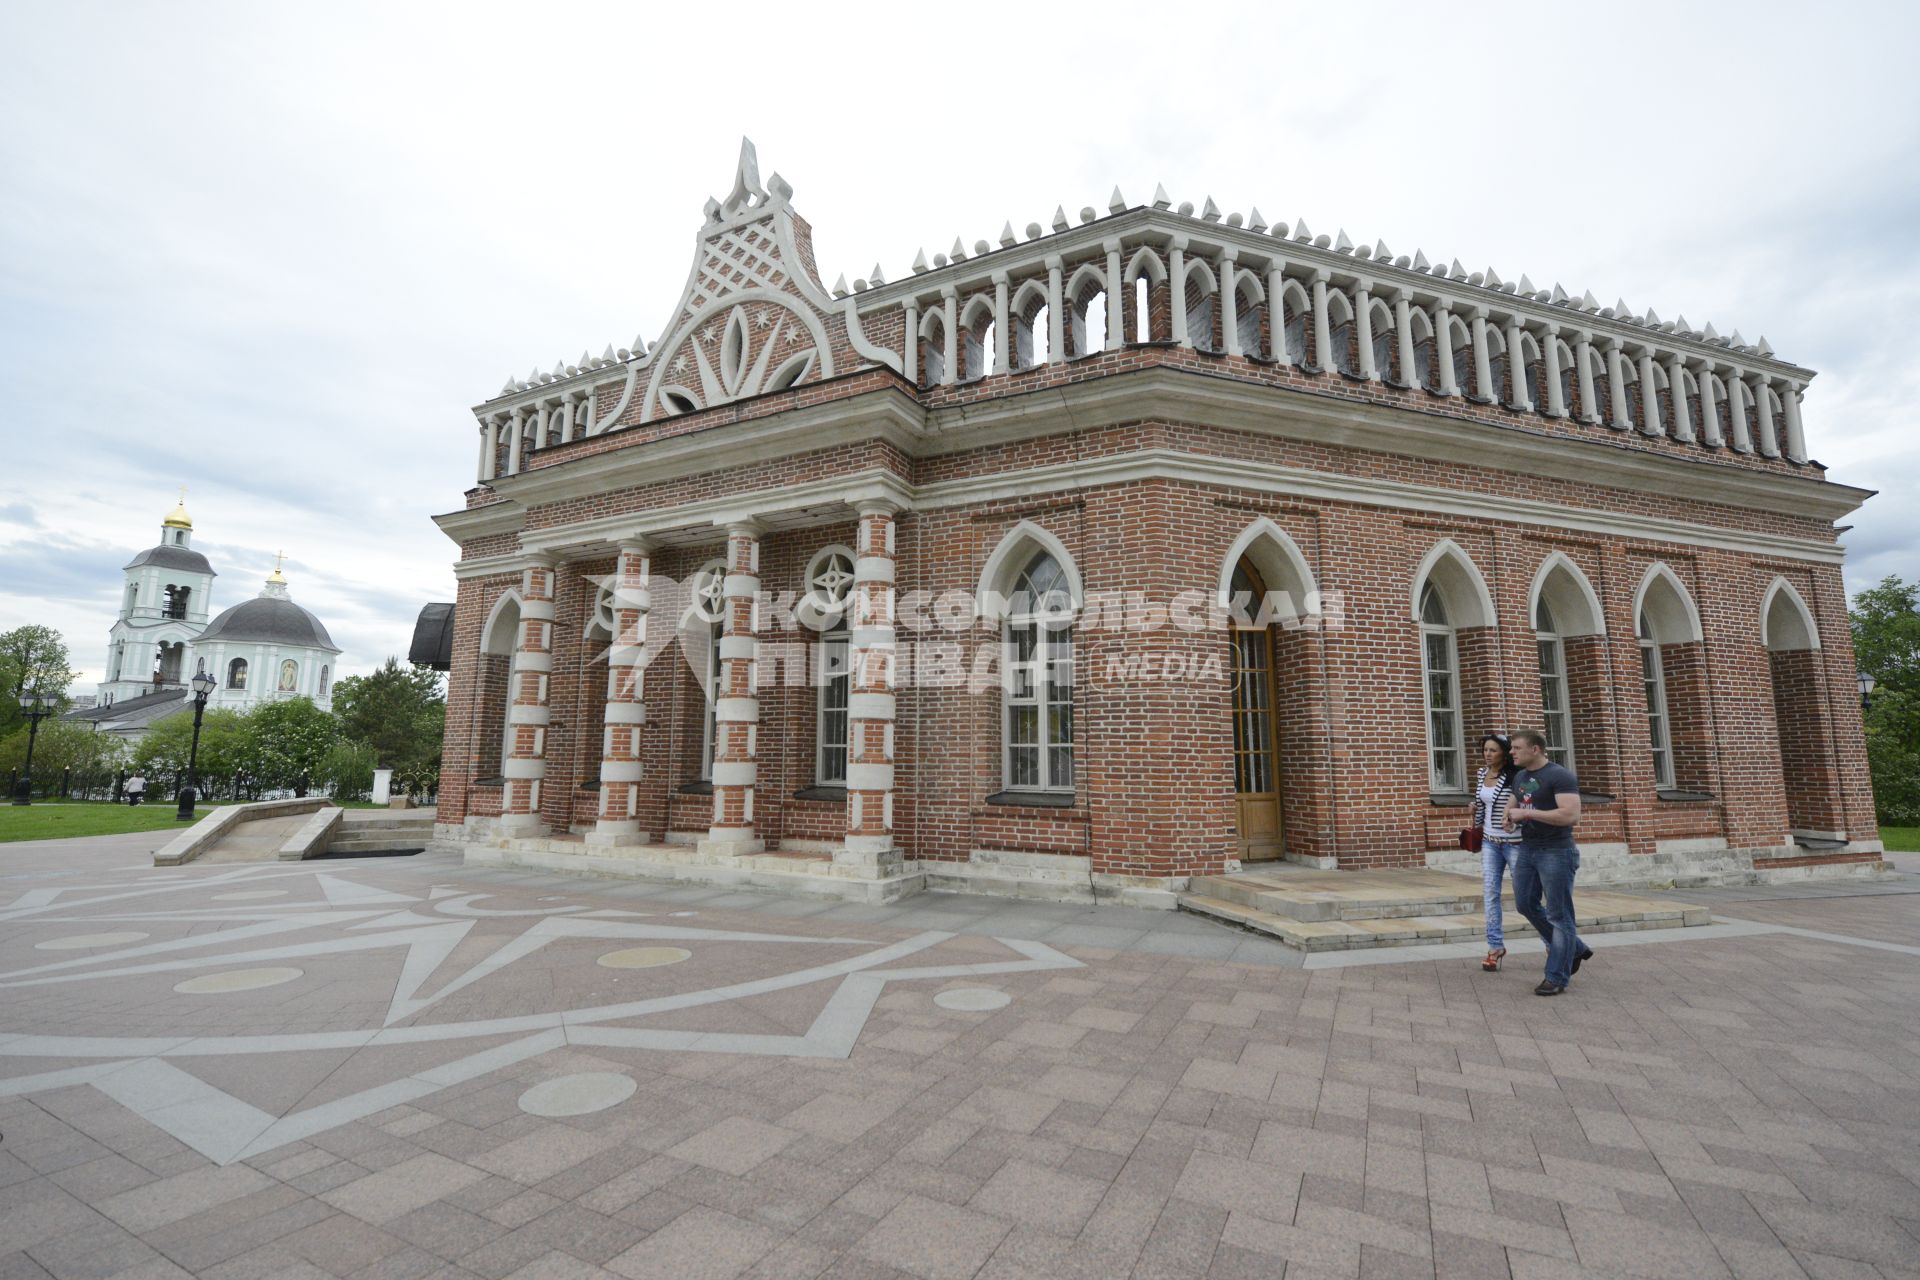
{"x":1499,"y":843}
{"x":136,"y":789}
{"x":1549,"y":806}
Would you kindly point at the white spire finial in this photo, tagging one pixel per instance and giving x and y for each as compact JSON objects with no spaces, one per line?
{"x":746,"y":180}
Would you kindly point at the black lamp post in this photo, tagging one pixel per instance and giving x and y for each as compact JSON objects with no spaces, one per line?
{"x":36,"y":707}
{"x":202,"y":690}
{"x":1866,"y":681}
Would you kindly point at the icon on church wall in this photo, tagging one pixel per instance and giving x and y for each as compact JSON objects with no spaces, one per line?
{"x":288,"y":673}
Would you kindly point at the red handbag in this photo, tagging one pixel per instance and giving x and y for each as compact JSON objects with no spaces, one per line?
{"x":1470,"y":838}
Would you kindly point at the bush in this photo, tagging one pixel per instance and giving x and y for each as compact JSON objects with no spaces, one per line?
{"x":347,"y":770}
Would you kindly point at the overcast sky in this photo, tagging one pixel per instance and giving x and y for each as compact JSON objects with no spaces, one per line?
{"x":276,"y":252}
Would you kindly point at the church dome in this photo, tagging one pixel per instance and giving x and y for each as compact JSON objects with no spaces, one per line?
{"x":167,"y":557}
{"x":178,"y":517}
{"x":270,"y":619}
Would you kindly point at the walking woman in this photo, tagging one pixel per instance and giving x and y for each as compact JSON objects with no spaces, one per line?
{"x":1498,"y":845}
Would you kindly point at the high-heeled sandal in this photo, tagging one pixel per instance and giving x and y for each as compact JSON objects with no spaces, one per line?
{"x":1494,"y":956}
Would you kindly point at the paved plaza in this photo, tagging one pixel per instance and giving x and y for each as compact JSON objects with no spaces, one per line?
{"x":401,"y":1067}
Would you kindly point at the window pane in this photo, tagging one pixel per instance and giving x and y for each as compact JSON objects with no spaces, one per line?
{"x":1060,"y":761}
{"x":1024,"y":767}
{"x":1023,"y":725}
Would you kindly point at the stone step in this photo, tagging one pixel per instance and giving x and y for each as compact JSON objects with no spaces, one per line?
{"x":378,"y":842}
{"x":1274,"y":895}
{"x":1605,"y":916}
{"x":1007,"y":881}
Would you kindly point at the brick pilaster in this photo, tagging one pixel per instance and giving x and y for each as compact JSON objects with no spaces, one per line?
{"x":871,"y":656}
{"x":620,"y":762}
{"x":528,"y":713}
{"x":737,"y":706}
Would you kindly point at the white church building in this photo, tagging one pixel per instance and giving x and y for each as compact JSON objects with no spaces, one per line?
{"x":260,"y":650}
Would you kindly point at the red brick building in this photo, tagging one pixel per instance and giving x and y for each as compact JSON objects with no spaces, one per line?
{"x":1113,"y":552}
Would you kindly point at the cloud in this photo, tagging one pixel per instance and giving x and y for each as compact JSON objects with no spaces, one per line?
{"x":276,"y":258}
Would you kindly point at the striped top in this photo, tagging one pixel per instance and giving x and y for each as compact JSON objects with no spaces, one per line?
{"x":1492,"y":825}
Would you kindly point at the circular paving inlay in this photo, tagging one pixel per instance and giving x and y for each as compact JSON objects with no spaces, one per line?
{"x":82,"y":941}
{"x":973,"y":999}
{"x":236,"y":980}
{"x":644,"y":957}
{"x":577,"y":1095}
{"x":250,"y":894}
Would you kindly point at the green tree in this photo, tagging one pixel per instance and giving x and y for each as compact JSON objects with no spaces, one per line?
{"x":32,"y":657}
{"x":401,"y":712}
{"x":1886,"y":645}
{"x":162,"y":754}
{"x":348,"y":770}
{"x":283,"y":742}
{"x":61,"y":746}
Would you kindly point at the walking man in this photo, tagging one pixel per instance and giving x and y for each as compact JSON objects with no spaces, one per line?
{"x":1547,"y":805}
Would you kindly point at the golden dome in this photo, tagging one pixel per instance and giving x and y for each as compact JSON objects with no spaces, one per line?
{"x":178,"y":517}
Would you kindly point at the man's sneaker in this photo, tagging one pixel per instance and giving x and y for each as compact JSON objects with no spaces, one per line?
{"x":1548,"y":989}
{"x":1586,"y":953}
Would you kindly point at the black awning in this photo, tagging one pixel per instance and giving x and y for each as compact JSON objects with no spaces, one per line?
{"x":433,"y":638}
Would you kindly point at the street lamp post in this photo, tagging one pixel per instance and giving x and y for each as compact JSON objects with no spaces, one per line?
{"x":202,"y":690}
{"x":36,"y":706}
{"x":1866,"y":682}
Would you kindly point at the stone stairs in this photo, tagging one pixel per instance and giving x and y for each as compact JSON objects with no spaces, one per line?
{"x":1348,"y":910}
{"x":364,"y":832}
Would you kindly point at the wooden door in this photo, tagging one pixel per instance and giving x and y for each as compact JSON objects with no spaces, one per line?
{"x":1256,"y":782}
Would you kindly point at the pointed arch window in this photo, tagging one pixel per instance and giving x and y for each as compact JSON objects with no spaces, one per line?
{"x":709,"y":604}
{"x":1653,"y":678}
{"x":1554,"y":707}
{"x":1246,"y":320}
{"x":1440,"y":666}
{"x":830,"y":583}
{"x":1038,"y":687}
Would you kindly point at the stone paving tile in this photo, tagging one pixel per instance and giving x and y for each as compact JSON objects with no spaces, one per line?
{"x":1736,"y":1106}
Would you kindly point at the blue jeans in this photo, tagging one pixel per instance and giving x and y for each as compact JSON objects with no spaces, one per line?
{"x":1543,"y":893}
{"x":1496,"y":857}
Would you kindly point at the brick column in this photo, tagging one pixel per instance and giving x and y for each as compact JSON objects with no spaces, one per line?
{"x":737,"y":708}
{"x":870,"y":705}
{"x":527,"y":711}
{"x":620,"y":766}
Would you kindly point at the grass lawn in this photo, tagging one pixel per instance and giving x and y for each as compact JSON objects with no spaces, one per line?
{"x":50,"y":820}
{"x":1901,"y":839}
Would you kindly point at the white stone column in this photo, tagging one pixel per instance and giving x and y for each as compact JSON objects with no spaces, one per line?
{"x":1709,"y":408}
{"x":871,"y":654}
{"x":1677,"y":388}
{"x":620,"y":762}
{"x":485,"y":471}
{"x":528,"y":712}
{"x":514,"y":448}
{"x":1621,"y":419}
{"x":1177,"y":291}
{"x":1550,"y":372}
{"x":1742,"y":432}
{"x":1443,"y":347}
{"x":1322,"y":333}
{"x":1403,"y":332}
{"x":910,"y":353}
{"x":736,"y":713}
{"x":1650,"y":423}
{"x":1517,"y":369}
{"x":950,"y":335}
{"x":1056,"y":314}
{"x":1229,"y":304}
{"x":1363,"y":328}
{"x":1002,"y":326}
{"x":1769,"y":440}
{"x":1583,"y":370}
{"x":1277,"y":314}
{"x":1482,"y":365}
{"x":1116,"y":312}
{"x":1796,"y":433}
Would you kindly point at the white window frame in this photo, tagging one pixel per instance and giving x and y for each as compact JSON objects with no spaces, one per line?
{"x":1653,"y":680}
{"x":1553,"y":687}
{"x":835,"y":673}
{"x":1048,"y":631}
{"x":1437,"y":783}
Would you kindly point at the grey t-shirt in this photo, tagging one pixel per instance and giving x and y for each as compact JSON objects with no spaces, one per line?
{"x":1543,"y":787}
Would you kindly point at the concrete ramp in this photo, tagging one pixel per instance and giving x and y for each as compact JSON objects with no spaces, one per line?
{"x":266,"y":831}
